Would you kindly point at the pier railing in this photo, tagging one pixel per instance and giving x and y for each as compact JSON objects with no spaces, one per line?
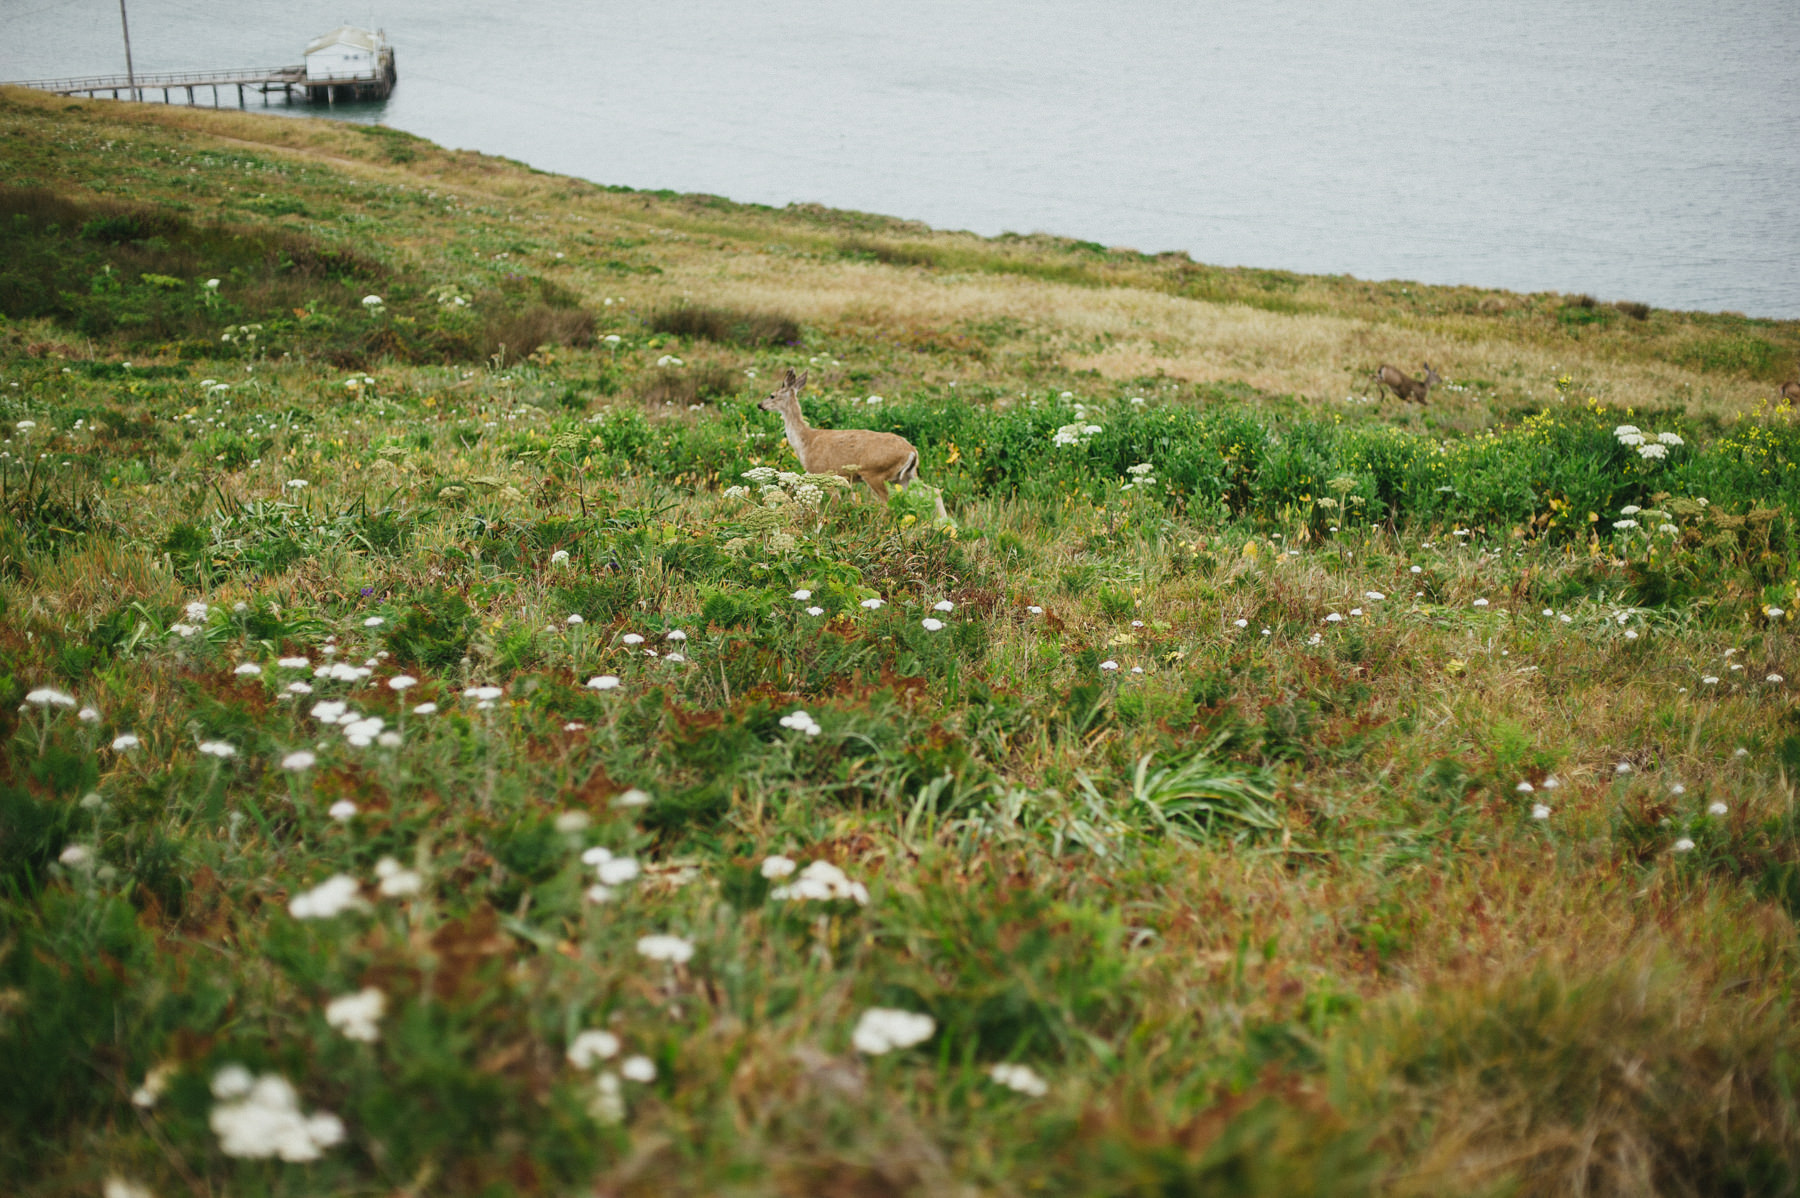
{"x":161,"y":79}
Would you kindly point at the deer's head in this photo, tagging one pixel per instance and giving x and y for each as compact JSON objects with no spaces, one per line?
{"x":1431,"y":378}
{"x":784,"y":395}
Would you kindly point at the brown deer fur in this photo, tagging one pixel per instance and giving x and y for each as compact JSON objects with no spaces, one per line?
{"x":1403,"y":385}
{"x":1791,"y":392}
{"x":879,"y":459}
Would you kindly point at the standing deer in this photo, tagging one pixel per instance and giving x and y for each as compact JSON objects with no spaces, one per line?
{"x":1403,"y":385}
{"x":879,"y":459}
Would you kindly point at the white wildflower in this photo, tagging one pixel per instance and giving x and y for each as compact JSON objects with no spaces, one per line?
{"x":1021,"y":1078}
{"x":800,"y":721}
{"x":930,"y":624}
{"x":822,"y":882}
{"x":46,"y":697}
{"x":872,"y":604}
{"x":1716,"y":809}
{"x":632,"y":798}
{"x":883,"y":1029}
{"x":217,"y":748}
{"x":248,"y":670}
{"x":617,"y":872}
{"x":676,"y":950}
{"x":125,"y":741}
{"x":425,"y":709}
{"x":638,"y":1069}
{"x":592,"y":1046}
{"x":943,"y":605}
{"x":267,"y":1122}
{"x":1539,"y":811}
{"x":396,"y":880}
{"x":777,"y":866}
{"x":362,"y":733}
{"x":156,"y":1082}
{"x":400,"y":682}
{"x":603,"y":682}
{"x":293,"y":663}
{"x":342,"y":811}
{"x":355,"y":1015}
{"x":300,"y":759}
{"x":1684,"y":845}
{"x":333,"y":896}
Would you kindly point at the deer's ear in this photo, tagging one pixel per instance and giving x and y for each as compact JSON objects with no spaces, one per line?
{"x":801,"y":381}
{"x":789,"y":380}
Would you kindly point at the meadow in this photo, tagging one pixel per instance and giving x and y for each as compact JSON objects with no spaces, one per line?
{"x":450,"y":749}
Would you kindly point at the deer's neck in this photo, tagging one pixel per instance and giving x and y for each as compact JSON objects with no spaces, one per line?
{"x":799,"y":434}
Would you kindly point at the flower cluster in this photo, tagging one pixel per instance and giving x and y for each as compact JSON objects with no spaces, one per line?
{"x":782,"y":499}
{"x":883,"y":1029}
{"x":819,"y":882}
{"x":800,"y":721}
{"x":356,"y":1015}
{"x":1649,"y":447}
{"x":1077,"y":433}
{"x":1143,"y":478}
{"x":260,"y":1117}
{"x":612,"y":872}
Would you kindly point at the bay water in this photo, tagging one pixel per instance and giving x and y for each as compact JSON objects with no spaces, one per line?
{"x":1646,"y":151}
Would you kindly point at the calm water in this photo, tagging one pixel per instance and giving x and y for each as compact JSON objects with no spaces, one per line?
{"x":1645,"y":151}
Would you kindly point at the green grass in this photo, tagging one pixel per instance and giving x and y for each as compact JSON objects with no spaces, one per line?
{"x":1210,"y":800}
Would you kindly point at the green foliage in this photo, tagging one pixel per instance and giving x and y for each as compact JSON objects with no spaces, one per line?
{"x":433,"y":633}
{"x":727,"y":326}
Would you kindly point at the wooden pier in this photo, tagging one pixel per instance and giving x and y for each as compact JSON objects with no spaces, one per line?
{"x":319,"y":86}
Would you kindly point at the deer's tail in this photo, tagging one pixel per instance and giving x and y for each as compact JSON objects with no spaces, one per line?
{"x":909,"y":470}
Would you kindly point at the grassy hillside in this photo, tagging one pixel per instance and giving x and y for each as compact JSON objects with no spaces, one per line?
{"x":445,"y":752}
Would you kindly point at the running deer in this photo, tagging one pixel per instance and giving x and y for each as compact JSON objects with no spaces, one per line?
{"x":1404,"y":386}
{"x":879,"y":459}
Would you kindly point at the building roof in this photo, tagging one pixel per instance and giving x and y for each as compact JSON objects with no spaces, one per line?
{"x":347,"y":35}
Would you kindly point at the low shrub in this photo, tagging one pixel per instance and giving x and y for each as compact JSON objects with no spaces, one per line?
{"x":727,"y":326}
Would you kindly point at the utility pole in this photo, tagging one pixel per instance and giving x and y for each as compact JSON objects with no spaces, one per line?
{"x":130,"y":75}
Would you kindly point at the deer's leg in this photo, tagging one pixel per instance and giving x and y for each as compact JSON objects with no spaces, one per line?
{"x":876,"y":485}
